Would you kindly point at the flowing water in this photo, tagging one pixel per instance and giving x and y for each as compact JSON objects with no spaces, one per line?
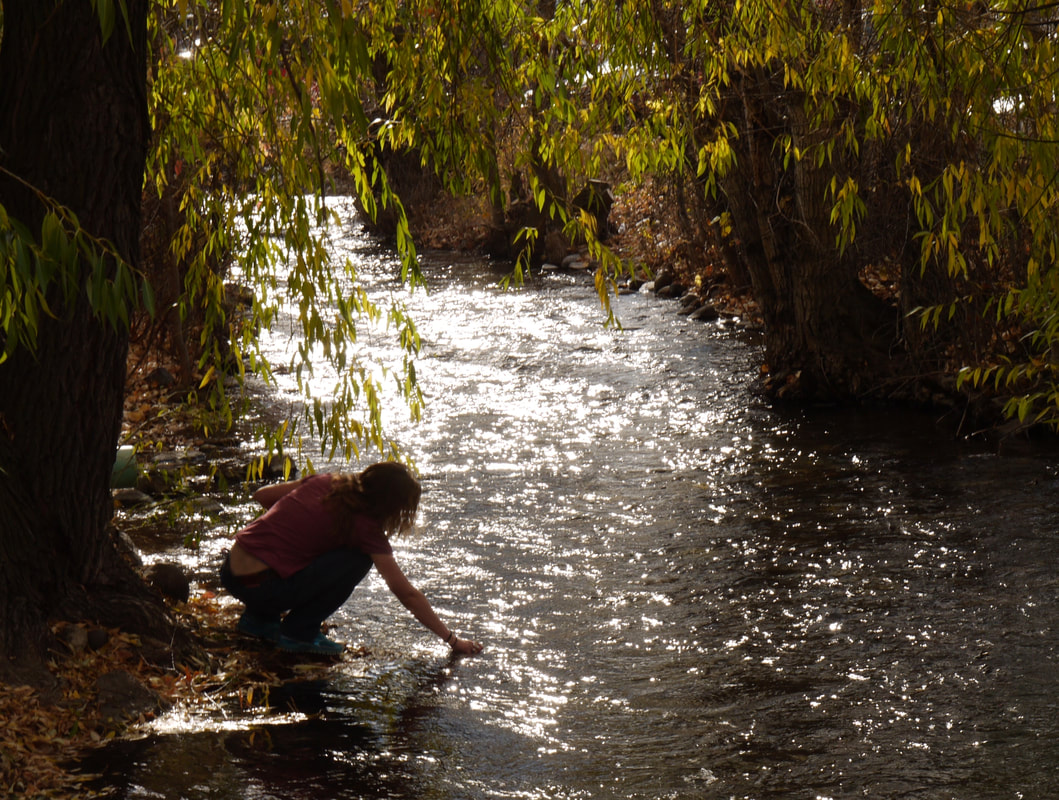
{"x":682,"y":593}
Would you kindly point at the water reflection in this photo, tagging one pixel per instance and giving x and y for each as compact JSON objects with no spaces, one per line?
{"x":683,"y":594}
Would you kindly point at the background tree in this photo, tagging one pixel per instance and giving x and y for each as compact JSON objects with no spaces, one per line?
{"x":258,"y":115}
{"x":905,"y":148}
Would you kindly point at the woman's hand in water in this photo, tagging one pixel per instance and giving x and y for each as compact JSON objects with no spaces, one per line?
{"x":466,"y":647}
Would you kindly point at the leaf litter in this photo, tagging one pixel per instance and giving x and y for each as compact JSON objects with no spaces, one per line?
{"x":43,"y":738}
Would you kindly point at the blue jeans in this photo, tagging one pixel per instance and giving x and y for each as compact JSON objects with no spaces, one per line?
{"x":308,"y":597}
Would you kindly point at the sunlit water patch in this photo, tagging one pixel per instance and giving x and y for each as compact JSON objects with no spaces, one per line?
{"x":682,"y":593}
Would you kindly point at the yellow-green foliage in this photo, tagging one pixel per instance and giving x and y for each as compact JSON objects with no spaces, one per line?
{"x":252,"y":101}
{"x":252,"y":104}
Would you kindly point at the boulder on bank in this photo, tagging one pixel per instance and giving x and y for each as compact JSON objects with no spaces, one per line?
{"x":705,"y":313}
{"x":170,"y":580}
{"x":121,"y":696}
{"x":672,"y":290}
{"x":128,"y":498}
{"x":689,"y":303}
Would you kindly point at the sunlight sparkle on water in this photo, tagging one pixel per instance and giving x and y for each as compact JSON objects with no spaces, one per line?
{"x":187,"y":719}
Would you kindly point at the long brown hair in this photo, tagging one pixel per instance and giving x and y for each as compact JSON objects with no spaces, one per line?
{"x":387,"y":491}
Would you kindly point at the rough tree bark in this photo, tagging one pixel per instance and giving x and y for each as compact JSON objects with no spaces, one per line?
{"x":826,"y":336}
{"x":73,"y":124}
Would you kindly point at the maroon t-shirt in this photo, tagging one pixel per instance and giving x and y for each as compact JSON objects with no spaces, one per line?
{"x":298,"y":529}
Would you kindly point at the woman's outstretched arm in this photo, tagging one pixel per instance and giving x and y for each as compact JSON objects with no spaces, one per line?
{"x":416,"y":602}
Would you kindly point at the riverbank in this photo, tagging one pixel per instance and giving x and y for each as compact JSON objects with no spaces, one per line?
{"x":107,"y":684}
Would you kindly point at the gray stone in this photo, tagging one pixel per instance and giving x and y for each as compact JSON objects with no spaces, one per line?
{"x":161,"y":377}
{"x":121,"y":696}
{"x":671,"y":290}
{"x":705,"y":313}
{"x":97,"y":637}
{"x":662,"y":280}
{"x":689,"y":303}
{"x":127,"y":498}
{"x":170,"y":580}
{"x":75,"y":637}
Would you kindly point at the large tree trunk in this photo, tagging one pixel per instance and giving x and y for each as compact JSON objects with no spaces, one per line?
{"x":826,"y":336}
{"x":73,"y":124}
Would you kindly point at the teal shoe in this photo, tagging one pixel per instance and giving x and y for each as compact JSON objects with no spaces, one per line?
{"x":260,"y":628}
{"x":321,"y":645}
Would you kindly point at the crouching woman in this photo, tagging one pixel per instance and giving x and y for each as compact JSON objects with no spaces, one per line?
{"x":297,"y":563}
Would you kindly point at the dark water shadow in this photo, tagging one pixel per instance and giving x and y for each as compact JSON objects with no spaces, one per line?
{"x":322,"y":738}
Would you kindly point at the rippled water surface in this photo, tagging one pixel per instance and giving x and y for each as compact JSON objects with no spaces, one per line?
{"x":683,"y":594}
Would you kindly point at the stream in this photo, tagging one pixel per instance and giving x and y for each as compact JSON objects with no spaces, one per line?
{"x":683,"y":593}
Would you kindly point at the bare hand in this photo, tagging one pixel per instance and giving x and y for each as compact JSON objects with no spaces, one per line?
{"x":466,"y":647}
